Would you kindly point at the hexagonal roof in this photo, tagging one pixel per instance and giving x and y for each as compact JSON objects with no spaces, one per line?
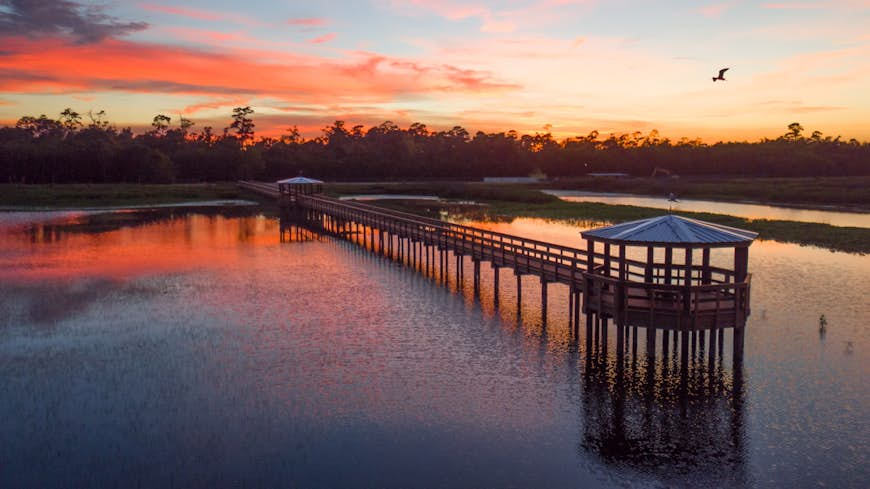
{"x":671,"y":230}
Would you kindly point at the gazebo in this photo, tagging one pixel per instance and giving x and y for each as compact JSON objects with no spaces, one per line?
{"x":657,"y":292}
{"x":293,"y":187}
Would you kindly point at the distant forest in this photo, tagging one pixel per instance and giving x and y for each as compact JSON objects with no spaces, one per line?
{"x":76,"y":148}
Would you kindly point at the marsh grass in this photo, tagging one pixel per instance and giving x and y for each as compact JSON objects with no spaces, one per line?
{"x":447,"y":190}
{"x":524,"y":201}
{"x":105,"y":195}
{"x":835,"y":238}
{"x":811,"y":192}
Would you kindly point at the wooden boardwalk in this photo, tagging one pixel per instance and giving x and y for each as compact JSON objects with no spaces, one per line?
{"x":654,"y":296}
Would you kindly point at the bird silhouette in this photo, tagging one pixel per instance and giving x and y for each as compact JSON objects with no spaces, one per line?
{"x":721,"y":75}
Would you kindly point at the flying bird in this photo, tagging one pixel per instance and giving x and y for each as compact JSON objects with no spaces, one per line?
{"x":721,"y":75}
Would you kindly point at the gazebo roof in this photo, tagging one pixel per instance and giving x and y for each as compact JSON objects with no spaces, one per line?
{"x":671,"y":230}
{"x":299,"y":181}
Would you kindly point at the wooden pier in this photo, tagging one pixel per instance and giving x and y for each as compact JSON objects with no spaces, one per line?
{"x":688,"y":298}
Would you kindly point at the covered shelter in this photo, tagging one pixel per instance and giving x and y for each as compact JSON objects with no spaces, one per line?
{"x":291,"y":188}
{"x":659,"y":292}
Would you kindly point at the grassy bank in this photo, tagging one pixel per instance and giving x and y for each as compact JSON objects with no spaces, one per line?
{"x":501,"y":200}
{"x":110,"y":195}
{"x":849,"y":239}
{"x":446,"y":190}
{"x":811,"y":192}
{"x":522,"y":201}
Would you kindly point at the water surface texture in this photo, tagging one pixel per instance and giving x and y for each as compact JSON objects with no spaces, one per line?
{"x":745,"y":210}
{"x":178,"y":348}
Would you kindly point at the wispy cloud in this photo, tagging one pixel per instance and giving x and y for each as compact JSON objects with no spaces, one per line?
{"x":323,"y":39}
{"x":714,"y":10}
{"x":792,"y":6}
{"x":182,"y":11}
{"x":308,"y":22}
{"x":205,"y":15}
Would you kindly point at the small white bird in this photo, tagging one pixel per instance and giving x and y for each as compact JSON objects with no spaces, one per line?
{"x":721,"y":75}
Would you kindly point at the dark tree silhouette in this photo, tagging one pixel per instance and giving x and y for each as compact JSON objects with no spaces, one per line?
{"x":41,"y":149}
{"x":243,"y":124}
{"x":161,"y":124}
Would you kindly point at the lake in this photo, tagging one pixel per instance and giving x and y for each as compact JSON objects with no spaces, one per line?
{"x":227,"y":348}
{"x":745,"y":210}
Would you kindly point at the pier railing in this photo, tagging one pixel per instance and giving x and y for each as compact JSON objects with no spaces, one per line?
{"x":553,"y":263}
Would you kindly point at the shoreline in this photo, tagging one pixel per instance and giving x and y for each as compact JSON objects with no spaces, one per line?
{"x":852,"y":209}
{"x":192,"y":203}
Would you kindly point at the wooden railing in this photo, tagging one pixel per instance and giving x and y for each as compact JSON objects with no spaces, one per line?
{"x":552,"y":262}
{"x":684,"y":308}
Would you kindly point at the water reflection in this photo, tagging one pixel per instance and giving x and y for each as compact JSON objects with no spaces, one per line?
{"x":201,"y":351}
{"x":654,"y":416}
{"x":748,"y":211}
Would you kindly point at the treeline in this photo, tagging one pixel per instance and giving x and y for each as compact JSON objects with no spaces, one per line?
{"x":72,"y":149}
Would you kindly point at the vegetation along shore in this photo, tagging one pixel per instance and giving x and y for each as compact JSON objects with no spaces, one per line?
{"x":521,"y":201}
{"x":500,"y":201}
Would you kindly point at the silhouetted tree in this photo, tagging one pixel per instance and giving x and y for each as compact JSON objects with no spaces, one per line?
{"x":243,"y":125}
{"x":40,"y":149}
{"x":160,"y":123}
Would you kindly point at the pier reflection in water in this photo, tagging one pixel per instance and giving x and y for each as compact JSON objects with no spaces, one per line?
{"x":658,"y":417}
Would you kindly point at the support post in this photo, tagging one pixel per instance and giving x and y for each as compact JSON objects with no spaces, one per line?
{"x":519,"y":293}
{"x":741,"y":263}
{"x":476,"y":263}
{"x":648,"y":268}
{"x":543,"y":300}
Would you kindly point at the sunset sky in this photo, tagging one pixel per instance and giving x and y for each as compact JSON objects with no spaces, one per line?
{"x":568,"y":66}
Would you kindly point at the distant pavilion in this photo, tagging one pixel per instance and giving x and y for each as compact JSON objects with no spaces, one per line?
{"x":293,"y":187}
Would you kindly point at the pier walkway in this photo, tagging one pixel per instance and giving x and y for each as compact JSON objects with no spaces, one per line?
{"x":680,"y":297}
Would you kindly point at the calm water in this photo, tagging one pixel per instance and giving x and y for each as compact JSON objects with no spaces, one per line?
{"x":196,"y":349}
{"x":749,"y":211}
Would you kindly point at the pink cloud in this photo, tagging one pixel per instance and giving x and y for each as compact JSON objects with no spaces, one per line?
{"x":184,"y":12}
{"x":201,"y":14}
{"x":792,"y":6}
{"x":322,"y":39}
{"x":308,"y":22}
{"x":209,"y":37}
{"x":714,"y":10}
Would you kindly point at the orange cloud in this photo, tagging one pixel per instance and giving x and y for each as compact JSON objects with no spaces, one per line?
{"x":52,"y":65}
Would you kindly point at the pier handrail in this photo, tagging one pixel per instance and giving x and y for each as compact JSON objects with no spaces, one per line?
{"x":558,"y":256}
{"x":471,"y":236}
